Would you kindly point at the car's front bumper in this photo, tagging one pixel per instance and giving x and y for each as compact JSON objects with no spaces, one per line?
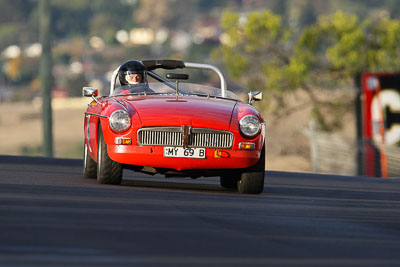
{"x":153,"y":156}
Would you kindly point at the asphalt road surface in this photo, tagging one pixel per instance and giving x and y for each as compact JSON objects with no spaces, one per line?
{"x":51,"y":216}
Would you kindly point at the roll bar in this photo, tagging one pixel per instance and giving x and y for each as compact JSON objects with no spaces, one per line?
{"x":210,"y":67}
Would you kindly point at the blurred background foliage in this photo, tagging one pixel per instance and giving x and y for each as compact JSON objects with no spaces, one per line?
{"x":271,"y":45}
{"x":264,"y":52}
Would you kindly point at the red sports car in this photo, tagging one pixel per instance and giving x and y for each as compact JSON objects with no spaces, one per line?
{"x":155,"y":124}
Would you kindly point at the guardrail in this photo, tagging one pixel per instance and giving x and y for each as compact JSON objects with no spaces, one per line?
{"x":336,"y":154}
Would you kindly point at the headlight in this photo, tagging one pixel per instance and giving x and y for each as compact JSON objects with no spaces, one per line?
{"x":250,"y":125}
{"x":119,"y":120}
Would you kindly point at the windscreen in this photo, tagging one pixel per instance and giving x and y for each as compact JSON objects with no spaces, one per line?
{"x":170,"y":89}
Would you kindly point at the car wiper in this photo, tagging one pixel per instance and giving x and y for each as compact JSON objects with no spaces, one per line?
{"x":172,"y":94}
{"x":213,"y":96}
{"x":139,"y":93}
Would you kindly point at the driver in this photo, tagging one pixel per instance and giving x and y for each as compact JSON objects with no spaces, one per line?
{"x":132,"y":77}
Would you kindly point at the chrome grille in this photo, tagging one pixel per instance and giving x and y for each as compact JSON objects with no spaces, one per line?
{"x":173,"y":136}
{"x":160,"y":138}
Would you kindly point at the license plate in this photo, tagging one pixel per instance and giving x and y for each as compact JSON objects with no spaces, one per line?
{"x":180,"y":152}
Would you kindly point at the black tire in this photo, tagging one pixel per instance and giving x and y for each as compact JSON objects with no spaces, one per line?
{"x":252,"y":179}
{"x":229,"y":180}
{"x":89,"y":165}
{"x":108,"y":171}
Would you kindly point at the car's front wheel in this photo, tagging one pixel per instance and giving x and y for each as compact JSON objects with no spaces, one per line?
{"x":89,"y":165}
{"x":252,"y":179}
{"x":108,"y":171}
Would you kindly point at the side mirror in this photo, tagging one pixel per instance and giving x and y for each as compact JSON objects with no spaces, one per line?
{"x":254,"y":96}
{"x":90,"y":92}
{"x":177,"y":76}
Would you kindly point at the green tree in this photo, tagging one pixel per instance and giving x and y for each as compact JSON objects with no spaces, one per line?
{"x":260,"y":51}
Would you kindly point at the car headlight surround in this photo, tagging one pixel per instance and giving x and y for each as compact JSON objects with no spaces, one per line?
{"x":119,"y":120}
{"x":250,"y":125}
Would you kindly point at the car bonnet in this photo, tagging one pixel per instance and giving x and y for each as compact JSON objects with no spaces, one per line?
{"x":194,"y":111}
